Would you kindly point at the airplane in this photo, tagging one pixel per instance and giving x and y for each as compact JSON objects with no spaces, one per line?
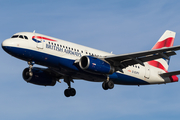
{"x":70,"y":61}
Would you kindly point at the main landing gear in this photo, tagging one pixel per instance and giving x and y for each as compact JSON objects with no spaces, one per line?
{"x":70,"y":91}
{"x":108,"y":84}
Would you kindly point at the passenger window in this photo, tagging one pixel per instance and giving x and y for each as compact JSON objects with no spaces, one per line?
{"x":82,"y":51}
{"x":26,"y":37}
{"x":58,"y":45}
{"x":86,"y":52}
{"x":71,"y":48}
{"x":77,"y":50}
{"x":74,"y":49}
{"x":55,"y":44}
{"x":49,"y":42}
{"x":21,"y":36}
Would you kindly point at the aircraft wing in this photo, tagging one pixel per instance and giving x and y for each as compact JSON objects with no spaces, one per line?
{"x":125,"y":60}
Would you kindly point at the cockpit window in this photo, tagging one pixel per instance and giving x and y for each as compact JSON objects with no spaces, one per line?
{"x":26,"y":37}
{"x":21,"y":36}
{"x":15,"y":36}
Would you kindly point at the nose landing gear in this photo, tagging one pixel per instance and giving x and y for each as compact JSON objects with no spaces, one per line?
{"x":31,"y":63}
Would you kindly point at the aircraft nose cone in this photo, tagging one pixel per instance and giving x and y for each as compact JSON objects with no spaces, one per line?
{"x":3,"y":44}
{"x":6,"y":44}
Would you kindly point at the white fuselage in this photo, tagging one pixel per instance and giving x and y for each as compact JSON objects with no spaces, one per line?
{"x":71,"y":51}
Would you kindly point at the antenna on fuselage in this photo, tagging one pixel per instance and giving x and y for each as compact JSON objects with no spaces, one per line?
{"x":34,"y":31}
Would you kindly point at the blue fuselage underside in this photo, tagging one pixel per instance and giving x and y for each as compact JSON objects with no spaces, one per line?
{"x":69,"y":67}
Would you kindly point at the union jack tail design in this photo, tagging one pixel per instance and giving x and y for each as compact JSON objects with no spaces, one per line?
{"x":166,"y":40}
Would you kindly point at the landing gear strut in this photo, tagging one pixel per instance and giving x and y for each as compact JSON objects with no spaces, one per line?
{"x":31,"y":63}
{"x":70,"y":91}
{"x":108,"y":84}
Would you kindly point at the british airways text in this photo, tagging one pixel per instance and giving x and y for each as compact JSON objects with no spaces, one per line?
{"x":53,"y":47}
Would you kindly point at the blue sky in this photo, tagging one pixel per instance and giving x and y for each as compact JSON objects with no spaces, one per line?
{"x":121,"y":26}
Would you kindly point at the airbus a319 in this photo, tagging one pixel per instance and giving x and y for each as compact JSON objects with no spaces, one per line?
{"x":70,"y":61}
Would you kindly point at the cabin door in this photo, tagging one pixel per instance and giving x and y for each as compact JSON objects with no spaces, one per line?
{"x":147,"y":71}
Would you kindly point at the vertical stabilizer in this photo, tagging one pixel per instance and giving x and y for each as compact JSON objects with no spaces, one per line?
{"x":166,"y":40}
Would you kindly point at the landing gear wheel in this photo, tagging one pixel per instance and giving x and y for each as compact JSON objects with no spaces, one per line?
{"x":66,"y":93}
{"x":104,"y":86}
{"x":108,"y":85}
{"x":70,"y":92}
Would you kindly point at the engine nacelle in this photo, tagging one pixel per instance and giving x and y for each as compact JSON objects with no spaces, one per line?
{"x":39,"y":77}
{"x":95,"y":65}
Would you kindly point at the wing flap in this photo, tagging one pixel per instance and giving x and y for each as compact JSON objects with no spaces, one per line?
{"x":143,"y":53}
{"x":144,"y":56}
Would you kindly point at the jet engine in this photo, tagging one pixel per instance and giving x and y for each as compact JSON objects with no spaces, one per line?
{"x":95,"y":65}
{"x":38,"y":77}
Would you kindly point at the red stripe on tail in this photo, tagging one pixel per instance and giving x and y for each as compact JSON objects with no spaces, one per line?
{"x":174,"y":78}
{"x":157,"y":64}
{"x":165,"y":43}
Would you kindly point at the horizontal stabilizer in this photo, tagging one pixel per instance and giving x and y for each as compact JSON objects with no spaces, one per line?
{"x":170,"y":74}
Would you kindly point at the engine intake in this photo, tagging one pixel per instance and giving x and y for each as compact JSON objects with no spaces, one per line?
{"x":39,"y":77}
{"x":95,"y":65}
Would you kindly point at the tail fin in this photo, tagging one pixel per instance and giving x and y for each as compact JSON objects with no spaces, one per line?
{"x":166,"y":40}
